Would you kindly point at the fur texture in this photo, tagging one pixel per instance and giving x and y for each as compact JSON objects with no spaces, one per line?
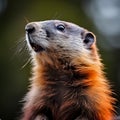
{"x":67,"y":81}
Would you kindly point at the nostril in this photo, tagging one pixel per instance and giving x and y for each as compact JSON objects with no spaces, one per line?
{"x":29,"y":28}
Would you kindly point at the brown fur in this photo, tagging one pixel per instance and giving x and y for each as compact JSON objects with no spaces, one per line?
{"x":62,"y":90}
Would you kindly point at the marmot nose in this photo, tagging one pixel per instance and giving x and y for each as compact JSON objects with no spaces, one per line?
{"x":30,"y":28}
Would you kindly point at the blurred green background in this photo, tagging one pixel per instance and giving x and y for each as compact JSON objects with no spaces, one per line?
{"x":99,"y":16}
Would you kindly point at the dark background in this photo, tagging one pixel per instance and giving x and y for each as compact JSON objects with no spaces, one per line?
{"x":99,"y":16}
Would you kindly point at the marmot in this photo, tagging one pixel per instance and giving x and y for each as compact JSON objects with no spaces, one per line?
{"x":68,"y":82}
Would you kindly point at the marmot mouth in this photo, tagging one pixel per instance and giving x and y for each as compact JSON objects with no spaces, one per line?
{"x":36,"y":47}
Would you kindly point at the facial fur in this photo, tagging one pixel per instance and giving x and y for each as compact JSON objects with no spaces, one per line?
{"x":62,"y":39}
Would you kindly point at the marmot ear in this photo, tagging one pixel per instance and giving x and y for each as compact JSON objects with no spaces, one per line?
{"x":89,"y":40}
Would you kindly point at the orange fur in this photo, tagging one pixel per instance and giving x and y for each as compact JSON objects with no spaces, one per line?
{"x":99,"y":91}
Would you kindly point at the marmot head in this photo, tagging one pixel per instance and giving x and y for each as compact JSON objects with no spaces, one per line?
{"x":60,"y":40}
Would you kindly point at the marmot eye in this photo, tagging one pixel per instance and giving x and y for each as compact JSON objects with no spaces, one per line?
{"x":60,"y":28}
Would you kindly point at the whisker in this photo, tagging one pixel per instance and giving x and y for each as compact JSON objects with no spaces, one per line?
{"x":26,"y":19}
{"x":56,"y":16}
{"x":20,"y":45}
{"x":27,"y":62}
{"x":20,"y":49}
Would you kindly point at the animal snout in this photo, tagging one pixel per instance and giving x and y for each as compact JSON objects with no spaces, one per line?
{"x":30,"y":28}
{"x":37,"y":27}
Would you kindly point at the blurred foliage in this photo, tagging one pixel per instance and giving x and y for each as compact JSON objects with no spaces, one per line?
{"x":13,"y":52}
